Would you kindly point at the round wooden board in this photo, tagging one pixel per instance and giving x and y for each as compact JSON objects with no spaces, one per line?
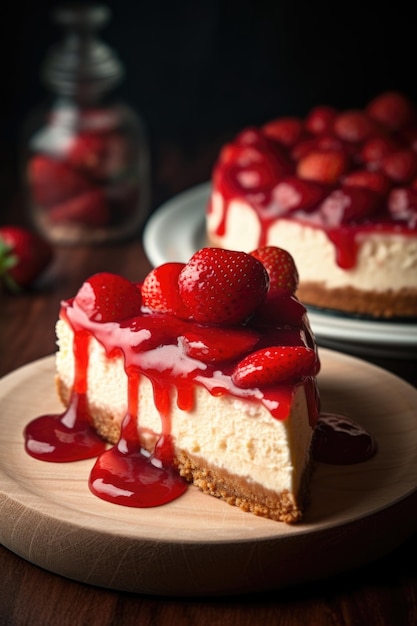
{"x":199,"y":545}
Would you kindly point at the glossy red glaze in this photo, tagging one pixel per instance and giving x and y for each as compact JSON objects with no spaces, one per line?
{"x":341,"y":441}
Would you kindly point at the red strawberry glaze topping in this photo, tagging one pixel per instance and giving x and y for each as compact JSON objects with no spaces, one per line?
{"x":256,"y":359}
{"x":319,"y":158}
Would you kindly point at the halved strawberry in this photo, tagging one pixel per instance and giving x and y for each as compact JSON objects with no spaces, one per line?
{"x":400,"y":166}
{"x":295,"y":194}
{"x":107,"y":297}
{"x":23,"y":257}
{"x":354,"y":126}
{"x":376,"y":148}
{"x":320,"y":120}
{"x":222,"y":286}
{"x":52,"y":181}
{"x":349,"y":204}
{"x":321,"y":143}
{"x":211,"y":345}
{"x":160,"y":290}
{"x":323,"y":166}
{"x":89,"y":208}
{"x":241,"y":154}
{"x":286,"y":130}
{"x":281,"y":268}
{"x":376,"y":181}
{"x":392,"y":109}
{"x":274,"y":365}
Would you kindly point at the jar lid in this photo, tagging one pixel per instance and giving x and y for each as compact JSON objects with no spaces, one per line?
{"x":80,"y":64}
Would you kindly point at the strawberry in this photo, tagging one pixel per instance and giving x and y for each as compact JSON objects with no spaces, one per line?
{"x":320,"y":120}
{"x":87,"y":152}
{"x":285,"y":130}
{"x":52,"y":181}
{"x":294,"y":194}
{"x":353,"y":126}
{"x":89,"y":208}
{"x":400,"y":166}
{"x":377,"y":181}
{"x":321,"y":143}
{"x":323,"y":167}
{"x":376,"y":148}
{"x":274,"y":365}
{"x":241,"y":154}
{"x":393,"y":110}
{"x":107,"y":297}
{"x":222,"y":286}
{"x":211,"y":345}
{"x":23,"y":257}
{"x":281,"y":269}
{"x":349,"y":204}
{"x":160,"y":290}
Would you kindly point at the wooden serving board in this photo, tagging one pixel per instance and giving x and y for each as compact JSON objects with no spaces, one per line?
{"x":199,"y":545}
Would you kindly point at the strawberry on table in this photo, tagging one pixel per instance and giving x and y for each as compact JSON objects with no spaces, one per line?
{"x":273,"y":365}
{"x":23,"y":257}
{"x":222,"y":286}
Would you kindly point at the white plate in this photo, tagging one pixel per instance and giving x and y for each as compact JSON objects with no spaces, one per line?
{"x":199,"y":545}
{"x":177,"y":229}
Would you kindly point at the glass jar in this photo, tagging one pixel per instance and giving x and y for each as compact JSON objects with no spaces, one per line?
{"x":86,"y":157}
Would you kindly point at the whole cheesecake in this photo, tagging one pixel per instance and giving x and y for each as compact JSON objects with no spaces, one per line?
{"x":205,"y":374}
{"x":338,"y":190}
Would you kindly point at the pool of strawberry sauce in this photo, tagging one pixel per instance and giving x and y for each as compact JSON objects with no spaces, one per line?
{"x":127,"y":474}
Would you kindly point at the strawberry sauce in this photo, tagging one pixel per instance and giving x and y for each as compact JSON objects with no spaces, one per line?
{"x":70,"y":435}
{"x":339,"y":440}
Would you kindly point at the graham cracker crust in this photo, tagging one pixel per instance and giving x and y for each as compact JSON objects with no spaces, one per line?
{"x":386,"y":305}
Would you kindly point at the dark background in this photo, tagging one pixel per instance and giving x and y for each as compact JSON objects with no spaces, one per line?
{"x":196,"y":70}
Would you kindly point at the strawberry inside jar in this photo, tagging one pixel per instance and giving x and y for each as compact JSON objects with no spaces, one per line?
{"x":87,"y":159}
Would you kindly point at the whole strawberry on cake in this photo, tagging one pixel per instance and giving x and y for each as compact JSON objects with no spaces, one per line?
{"x":205,"y":374}
{"x":338,"y":190}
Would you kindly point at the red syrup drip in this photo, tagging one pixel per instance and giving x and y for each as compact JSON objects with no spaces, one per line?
{"x":68,"y":436}
{"x":339,"y":440}
{"x":65,"y":437}
{"x":129,"y":476}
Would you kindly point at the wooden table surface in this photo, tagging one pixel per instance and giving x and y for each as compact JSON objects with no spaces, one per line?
{"x":381,"y":593}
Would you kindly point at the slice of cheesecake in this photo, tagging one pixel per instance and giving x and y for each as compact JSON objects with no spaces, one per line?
{"x":207,"y":370}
